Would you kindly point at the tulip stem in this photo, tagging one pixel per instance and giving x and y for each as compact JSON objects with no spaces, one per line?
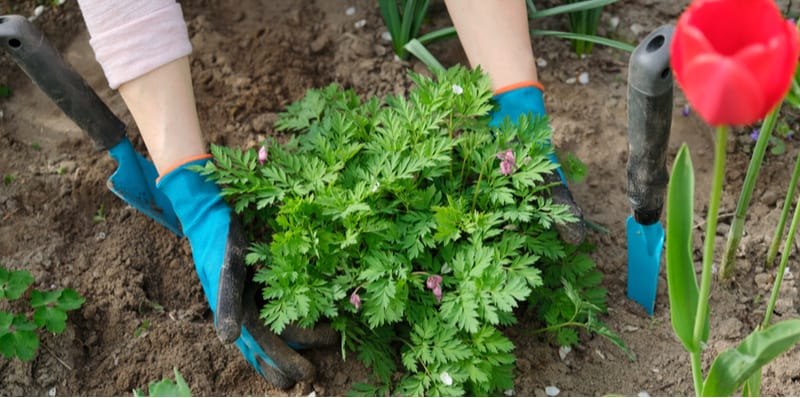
{"x":787,"y":204}
{"x":737,"y":225}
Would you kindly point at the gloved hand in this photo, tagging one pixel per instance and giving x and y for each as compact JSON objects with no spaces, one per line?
{"x":526,"y":98}
{"x":218,"y":249}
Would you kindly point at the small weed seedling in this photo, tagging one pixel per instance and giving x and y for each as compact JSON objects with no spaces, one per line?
{"x":8,"y":179}
{"x":18,"y":331}
{"x":100,"y":216}
{"x":166,"y":388}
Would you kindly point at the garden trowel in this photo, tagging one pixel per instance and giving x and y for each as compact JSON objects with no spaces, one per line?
{"x":134,"y":179}
{"x":649,"y":120}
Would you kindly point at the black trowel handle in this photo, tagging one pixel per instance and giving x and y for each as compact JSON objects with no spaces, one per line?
{"x":649,"y":121}
{"x":46,"y":67}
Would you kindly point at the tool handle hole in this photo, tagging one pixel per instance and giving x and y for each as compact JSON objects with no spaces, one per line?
{"x":655,"y":43}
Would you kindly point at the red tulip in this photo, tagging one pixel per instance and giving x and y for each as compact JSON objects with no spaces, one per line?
{"x":734,"y":59}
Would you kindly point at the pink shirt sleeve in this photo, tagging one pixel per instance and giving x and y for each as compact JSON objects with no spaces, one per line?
{"x":133,"y":37}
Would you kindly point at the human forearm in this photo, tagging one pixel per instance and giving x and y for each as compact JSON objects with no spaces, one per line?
{"x":494,"y":34}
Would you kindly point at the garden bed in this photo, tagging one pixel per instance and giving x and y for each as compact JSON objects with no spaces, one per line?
{"x":145,"y":312}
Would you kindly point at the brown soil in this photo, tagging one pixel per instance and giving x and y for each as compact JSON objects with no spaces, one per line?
{"x":252,"y":58}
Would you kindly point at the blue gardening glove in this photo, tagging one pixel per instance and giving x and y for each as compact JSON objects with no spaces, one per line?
{"x":526,"y":98}
{"x":218,"y":249}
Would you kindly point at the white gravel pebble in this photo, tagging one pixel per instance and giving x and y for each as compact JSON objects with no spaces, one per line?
{"x":36,"y":12}
{"x":312,"y":394}
{"x":508,"y":393}
{"x":643,"y":394}
{"x":571,"y":80}
{"x":563,"y":351}
{"x":613,"y":22}
{"x":552,"y":391}
{"x":637,"y":29}
{"x":541,"y":62}
{"x":386,"y":36}
{"x":583,"y":78}
{"x":51,"y":392}
{"x":350,"y":11}
{"x":360,"y":23}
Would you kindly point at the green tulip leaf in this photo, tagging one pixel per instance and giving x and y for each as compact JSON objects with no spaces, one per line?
{"x":734,"y":366}
{"x":681,"y":279}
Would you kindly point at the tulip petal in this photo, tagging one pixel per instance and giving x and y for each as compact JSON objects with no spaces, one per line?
{"x":773,"y":76}
{"x":687,"y":44}
{"x":722,"y":91}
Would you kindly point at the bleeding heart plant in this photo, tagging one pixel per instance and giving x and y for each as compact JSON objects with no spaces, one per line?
{"x":733,"y":72}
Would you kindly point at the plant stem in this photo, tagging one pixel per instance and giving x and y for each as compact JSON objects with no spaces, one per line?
{"x":708,"y":250}
{"x":737,"y":225}
{"x":787,"y":248}
{"x":787,"y":204}
{"x":697,"y":372}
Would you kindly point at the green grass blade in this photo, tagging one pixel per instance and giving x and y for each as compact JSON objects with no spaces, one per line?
{"x":531,"y":7}
{"x":391,"y":17}
{"x":418,"y":50}
{"x":407,"y":20}
{"x":681,"y":279}
{"x":594,"y":39}
{"x":573,"y":7}
{"x":419,"y":16}
{"x":438,"y":34}
{"x":734,"y":366}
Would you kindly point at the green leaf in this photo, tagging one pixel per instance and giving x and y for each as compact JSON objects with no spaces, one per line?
{"x":169,"y":388}
{"x":681,"y":279}
{"x":14,"y":283}
{"x":52,"y":318}
{"x":17,"y":336}
{"x":735,"y":365}
{"x":69,"y":300}
{"x":22,"y":344}
{"x":40,"y":298}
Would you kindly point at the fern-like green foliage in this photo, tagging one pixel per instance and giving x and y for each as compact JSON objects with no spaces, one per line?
{"x":402,"y":204}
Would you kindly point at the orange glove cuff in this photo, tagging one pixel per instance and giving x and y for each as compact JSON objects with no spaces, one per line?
{"x":528,"y":83}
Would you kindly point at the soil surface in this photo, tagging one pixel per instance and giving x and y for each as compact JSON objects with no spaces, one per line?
{"x":251,"y":58}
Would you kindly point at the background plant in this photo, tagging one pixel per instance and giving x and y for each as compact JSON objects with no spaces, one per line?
{"x":584,"y":22}
{"x":414,"y":230}
{"x":404,"y":18}
{"x":741,"y":94}
{"x":47,"y":311}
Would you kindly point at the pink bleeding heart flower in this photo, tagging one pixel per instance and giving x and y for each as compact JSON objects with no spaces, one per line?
{"x":434,"y":283}
{"x":355,"y":299}
{"x":437,"y":292}
{"x":508,"y":163}
{"x":262,"y":154}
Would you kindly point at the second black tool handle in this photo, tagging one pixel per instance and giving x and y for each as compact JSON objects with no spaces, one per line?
{"x":649,"y":121}
{"x":26,"y":44}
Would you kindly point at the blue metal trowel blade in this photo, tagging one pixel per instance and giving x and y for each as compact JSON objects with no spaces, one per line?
{"x":645,"y":245}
